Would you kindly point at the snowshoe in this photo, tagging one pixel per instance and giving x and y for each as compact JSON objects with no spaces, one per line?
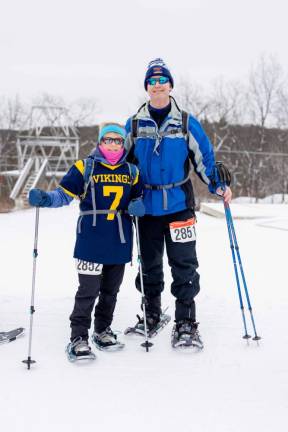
{"x":11,"y":335}
{"x":107,"y":341}
{"x":154,"y":325}
{"x":185,"y":334}
{"x":79,"y":349}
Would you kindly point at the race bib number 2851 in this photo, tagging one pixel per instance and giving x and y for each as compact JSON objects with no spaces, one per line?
{"x":183,"y":231}
{"x":88,"y":268}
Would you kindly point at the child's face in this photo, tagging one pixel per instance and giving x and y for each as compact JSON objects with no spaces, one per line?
{"x":112,"y":142}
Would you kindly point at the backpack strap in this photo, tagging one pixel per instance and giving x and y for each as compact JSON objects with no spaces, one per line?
{"x":185,"y":121}
{"x":134,"y":123}
{"x":134,"y":128}
{"x":87,"y":174}
{"x":133,"y":171}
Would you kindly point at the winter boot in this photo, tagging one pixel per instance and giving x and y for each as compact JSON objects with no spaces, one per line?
{"x":155,"y":323}
{"x":106,"y":340}
{"x":185,"y":334}
{"x":79,"y":349}
{"x":153,"y":314}
{"x":151,"y":321}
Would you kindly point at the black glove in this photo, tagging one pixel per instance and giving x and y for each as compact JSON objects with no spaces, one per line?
{"x":224,"y":173}
{"x":220,"y":177}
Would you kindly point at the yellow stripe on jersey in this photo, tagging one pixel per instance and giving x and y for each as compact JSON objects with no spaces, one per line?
{"x":112,"y":167}
{"x":137,"y":177}
{"x":68,"y":192}
{"x":80,"y":166}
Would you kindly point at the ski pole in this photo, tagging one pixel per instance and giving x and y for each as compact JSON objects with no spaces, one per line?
{"x":29,"y":361}
{"x":246,"y":336}
{"x":233,"y":232}
{"x":146,"y":344}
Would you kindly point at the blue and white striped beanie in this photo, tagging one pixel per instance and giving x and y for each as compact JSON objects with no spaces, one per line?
{"x":158,"y":67}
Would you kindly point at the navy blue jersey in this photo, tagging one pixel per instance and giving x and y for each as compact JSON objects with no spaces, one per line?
{"x":104,"y":238}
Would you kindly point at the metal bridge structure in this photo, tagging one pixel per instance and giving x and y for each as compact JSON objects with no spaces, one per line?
{"x":46,"y":147}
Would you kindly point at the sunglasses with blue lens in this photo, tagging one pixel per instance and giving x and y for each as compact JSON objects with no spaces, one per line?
{"x":160,"y":80}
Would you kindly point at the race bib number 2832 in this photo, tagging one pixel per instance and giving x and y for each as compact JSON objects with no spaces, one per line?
{"x":88,"y":268}
{"x":183,"y":231}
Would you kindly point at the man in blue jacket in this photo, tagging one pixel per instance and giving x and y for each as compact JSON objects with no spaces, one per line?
{"x":164,"y":142}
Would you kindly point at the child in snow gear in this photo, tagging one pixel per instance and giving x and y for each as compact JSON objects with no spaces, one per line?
{"x":106,"y":185}
{"x":164,"y":141}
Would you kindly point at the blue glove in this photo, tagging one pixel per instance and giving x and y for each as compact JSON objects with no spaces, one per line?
{"x":136,"y":208}
{"x":39,"y":198}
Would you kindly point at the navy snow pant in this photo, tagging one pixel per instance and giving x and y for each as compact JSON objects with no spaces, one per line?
{"x":154,"y":232}
{"x":106,"y":286}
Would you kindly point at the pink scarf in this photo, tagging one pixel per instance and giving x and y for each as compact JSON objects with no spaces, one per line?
{"x":111,"y":156}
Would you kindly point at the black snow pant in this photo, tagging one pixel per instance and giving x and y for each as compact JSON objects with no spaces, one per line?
{"x":153,"y":232}
{"x":106,"y":286}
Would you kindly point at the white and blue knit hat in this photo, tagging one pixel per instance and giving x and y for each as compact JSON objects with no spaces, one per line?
{"x":158,"y":67}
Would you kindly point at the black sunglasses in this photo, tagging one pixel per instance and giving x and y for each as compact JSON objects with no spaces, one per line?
{"x":117,"y":141}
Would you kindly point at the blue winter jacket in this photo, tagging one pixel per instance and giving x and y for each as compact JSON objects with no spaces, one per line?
{"x":163,"y":156}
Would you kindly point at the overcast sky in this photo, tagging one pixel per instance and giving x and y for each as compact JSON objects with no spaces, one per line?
{"x":100,"y":49}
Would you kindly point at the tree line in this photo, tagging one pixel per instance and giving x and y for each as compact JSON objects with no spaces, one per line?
{"x":247,"y":123}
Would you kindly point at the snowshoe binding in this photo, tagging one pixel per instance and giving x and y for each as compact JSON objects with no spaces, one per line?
{"x":155,"y":323}
{"x":11,"y":335}
{"x":107,"y":341}
{"x":79,"y":349}
{"x":185,"y":334}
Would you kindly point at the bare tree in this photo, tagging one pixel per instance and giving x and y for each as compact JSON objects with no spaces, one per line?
{"x":281,"y":112}
{"x":12,"y":114}
{"x":226,"y":102}
{"x":48,"y":99}
{"x":192,"y":98}
{"x":265,"y":82}
{"x":84,"y":111}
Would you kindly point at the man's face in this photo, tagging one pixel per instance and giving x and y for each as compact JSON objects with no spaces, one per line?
{"x":158,"y":90}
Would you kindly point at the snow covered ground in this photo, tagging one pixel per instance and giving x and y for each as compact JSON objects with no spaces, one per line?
{"x":229,"y":387}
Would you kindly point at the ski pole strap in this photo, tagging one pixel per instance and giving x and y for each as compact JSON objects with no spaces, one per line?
{"x":94,"y":213}
{"x":165,"y":187}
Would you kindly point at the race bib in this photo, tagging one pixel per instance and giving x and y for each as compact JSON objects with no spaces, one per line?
{"x":88,"y":268}
{"x":183,"y":231}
